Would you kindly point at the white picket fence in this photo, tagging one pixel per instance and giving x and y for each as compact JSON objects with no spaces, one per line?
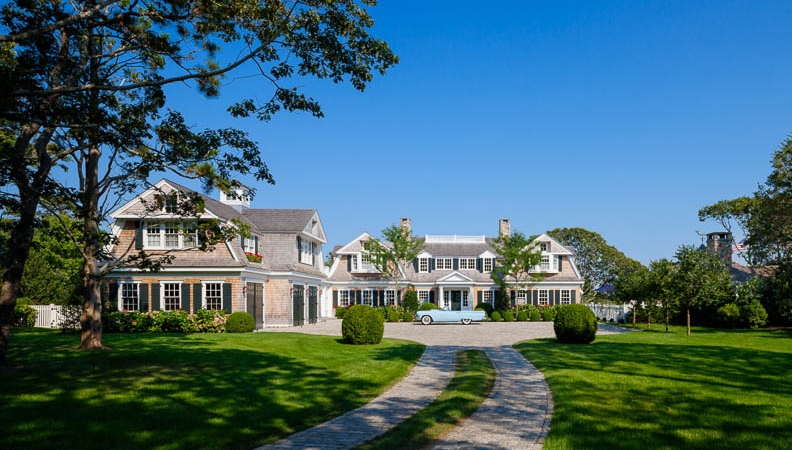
{"x":49,"y":316}
{"x":609,"y":312}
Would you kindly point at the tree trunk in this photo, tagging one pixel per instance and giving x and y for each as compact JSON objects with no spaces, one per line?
{"x":649,"y":319}
{"x":688,"y":320}
{"x":667,"y":313}
{"x":21,"y":237}
{"x":91,"y":317}
{"x":635,"y":313}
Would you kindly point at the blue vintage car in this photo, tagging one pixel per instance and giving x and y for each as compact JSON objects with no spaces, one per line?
{"x":447,"y":315}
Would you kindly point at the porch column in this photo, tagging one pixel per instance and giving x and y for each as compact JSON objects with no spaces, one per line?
{"x":471,"y":299}
{"x":441,"y":299}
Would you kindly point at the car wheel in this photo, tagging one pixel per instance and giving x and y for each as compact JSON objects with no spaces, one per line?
{"x":467,"y":321}
{"x":426,"y":320}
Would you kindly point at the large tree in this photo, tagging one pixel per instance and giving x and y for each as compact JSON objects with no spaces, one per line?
{"x":518,"y":256}
{"x":85,"y":85}
{"x":599,"y":262}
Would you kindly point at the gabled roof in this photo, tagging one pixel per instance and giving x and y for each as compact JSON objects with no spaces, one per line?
{"x":298,"y":221}
{"x":555,"y":246}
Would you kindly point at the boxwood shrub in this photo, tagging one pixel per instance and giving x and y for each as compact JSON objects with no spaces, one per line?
{"x":522,"y":316}
{"x":496,"y":316}
{"x":240,"y":322}
{"x":407,"y":316}
{"x":362,"y":325}
{"x":393,"y":315}
{"x":426,"y":306}
{"x":508,"y":316}
{"x":340,"y":311}
{"x":575,"y":324}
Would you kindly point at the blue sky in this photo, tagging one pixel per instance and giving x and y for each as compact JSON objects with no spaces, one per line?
{"x":622,"y":117}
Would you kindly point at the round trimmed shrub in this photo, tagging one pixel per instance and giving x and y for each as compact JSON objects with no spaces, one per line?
{"x":575,"y":324}
{"x":508,"y":316}
{"x":240,"y":322}
{"x":535,"y":315}
{"x":522,"y":316}
{"x":362,"y":325}
{"x":340,"y":311}
{"x":426,"y":306}
{"x":407,"y":316}
{"x":394,"y":315}
{"x":496,"y":316}
{"x":548,"y":314}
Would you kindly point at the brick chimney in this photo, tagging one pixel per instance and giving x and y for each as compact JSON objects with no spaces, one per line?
{"x":504,"y":228}
{"x":405,"y":224}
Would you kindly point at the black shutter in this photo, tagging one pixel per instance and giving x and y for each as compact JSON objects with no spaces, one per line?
{"x":479,"y":265}
{"x":432,"y":296}
{"x":335,"y":299}
{"x":557,"y":298}
{"x":513,"y":295}
{"x":227,"y":297}
{"x":256,"y":244}
{"x":185,"y":297}
{"x":299,"y":248}
{"x":479,"y":297}
{"x":349,"y":263}
{"x":358,"y":296}
{"x":560,"y":262}
{"x":197,"y":291}
{"x":398,"y":297}
{"x":415,"y":265}
{"x":535,"y":297}
{"x":242,"y":242}
{"x":138,"y":235}
{"x":572,"y":299}
{"x":112,"y":296}
{"x":456,"y":263}
{"x":431,"y":264}
{"x":155,"y":297}
{"x":375,"y":298}
{"x":144,"y":297}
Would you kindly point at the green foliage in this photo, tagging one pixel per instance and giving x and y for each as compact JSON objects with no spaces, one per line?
{"x":517,"y":257}
{"x":203,"y":321}
{"x":411,"y":300}
{"x":240,"y":322}
{"x":729,"y":315}
{"x":575,"y":324}
{"x":407,"y":316}
{"x":393,"y":314}
{"x":754,"y":315}
{"x":522,"y":316}
{"x":340,"y":312}
{"x":502,"y":300}
{"x":534,"y":314}
{"x":363,"y":325}
{"x":548,"y":313}
{"x":508,"y":316}
{"x":776,"y":296}
{"x":700,"y":279}
{"x":24,"y":314}
{"x":70,"y":318}
{"x":487,"y":307}
{"x":496,"y":316}
{"x":599,"y":263}
{"x":427,"y":306}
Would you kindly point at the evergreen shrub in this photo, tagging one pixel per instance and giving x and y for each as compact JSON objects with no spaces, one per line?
{"x":486,"y":307}
{"x":411,"y":300}
{"x":427,"y":306}
{"x":496,"y":316}
{"x":522,"y":316}
{"x":548,"y":313}
{"x":240,"y":322}
{"x":407,"y":316}
{"x":575,"y":324}
{"x":508,"y":316}
{"x":534,"y":314}
{"x":363,"y":325}
{"x":393,"y":315}
{"x":340,"y":311}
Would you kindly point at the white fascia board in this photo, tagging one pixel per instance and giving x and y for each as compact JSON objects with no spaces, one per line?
{"x":363,"y":236}
{"x":488,"y":254}
{"x":425,"y":254}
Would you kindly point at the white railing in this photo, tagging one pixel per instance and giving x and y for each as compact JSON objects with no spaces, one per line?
{"x":49,"y":316}
{"x":609,"y":312}
{"x":453,"y":239}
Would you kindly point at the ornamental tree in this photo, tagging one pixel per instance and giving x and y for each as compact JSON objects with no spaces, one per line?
{"x":517,"y":258}
{"x":393,"y":257}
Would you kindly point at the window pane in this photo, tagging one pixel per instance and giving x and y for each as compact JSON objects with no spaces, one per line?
{"x":213,"y":296}
{"x":130,"y":297}
{"x":171,"y":296}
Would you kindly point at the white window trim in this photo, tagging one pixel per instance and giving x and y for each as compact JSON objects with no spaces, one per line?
{"x":450,"y":262}
{"x":120,"y":297}
{"x":423,"y":265}
{"x":467,"y":263}
{"x":485,"y":294}
{"x":182,"y":226}
{"x":306,"y":251}
{"x":546,"y":293}
{"x":390,"y":297}
{"x":521,"y":298}
{"x":568,"y":296}
{"x":162,"y":294}
{"x":349,"y":297}
{"x":487,"y":262}
{"x":423,"y":293}
{"x":363,"y":294}
{"x":203,"y":293}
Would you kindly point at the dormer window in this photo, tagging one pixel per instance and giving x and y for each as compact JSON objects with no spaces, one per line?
{"x":487,"y":264}
{"x":423,"y":265}
{"x":467,"y":263}
{"x":172,"y":203}
{"x":170,"y":235}
{"x":544,"y":246}
{"x":444,"y":263}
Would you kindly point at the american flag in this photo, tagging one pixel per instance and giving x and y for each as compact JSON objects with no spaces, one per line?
{"x":740,"y":246}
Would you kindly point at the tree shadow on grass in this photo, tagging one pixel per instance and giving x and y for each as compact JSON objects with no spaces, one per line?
{"x":627,"y":395}
{"x":178,"y":391}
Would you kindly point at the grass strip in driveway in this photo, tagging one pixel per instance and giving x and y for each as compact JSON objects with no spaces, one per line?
{"x":176,"y":391}
{"x":713,"y":390}
{"x":472,"y":383}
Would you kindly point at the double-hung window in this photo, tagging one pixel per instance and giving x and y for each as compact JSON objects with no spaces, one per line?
{"x":171,"y":296}
{"x":423,"y":265}
{"x":213,"y":296}
{"x":522,"y":297}
{"x":545,"y":265}
{"x":129,"y":297}
{"x":544,"y":297}
{"x":390,"y":297}
{"x":566,"y":297}
{"x":170,"y":235}
{"x":487,"y":264}
{"x":343,"y":298}
{"x":306,"y":251}
{"x":486,"y":297}
{"x":444,"y":263}
{"x":367,"y":297}
{"x":467,"y":263}
{"x":423,"y":295}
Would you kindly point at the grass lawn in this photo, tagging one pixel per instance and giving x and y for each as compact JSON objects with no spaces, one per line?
{"x":196,"y":391}
{"x":472,"y":383}
{"x":712,"y":390}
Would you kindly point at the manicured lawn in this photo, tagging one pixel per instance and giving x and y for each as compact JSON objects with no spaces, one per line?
{"x":649,"y":389}
{"x":470,"y":386}
{"x":185,"y":391}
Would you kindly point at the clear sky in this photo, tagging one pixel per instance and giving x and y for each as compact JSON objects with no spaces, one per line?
{"x":622,"y":117}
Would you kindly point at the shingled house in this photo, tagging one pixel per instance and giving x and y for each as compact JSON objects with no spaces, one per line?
{"x":452,"y":271}
{"x":276,"y":274}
